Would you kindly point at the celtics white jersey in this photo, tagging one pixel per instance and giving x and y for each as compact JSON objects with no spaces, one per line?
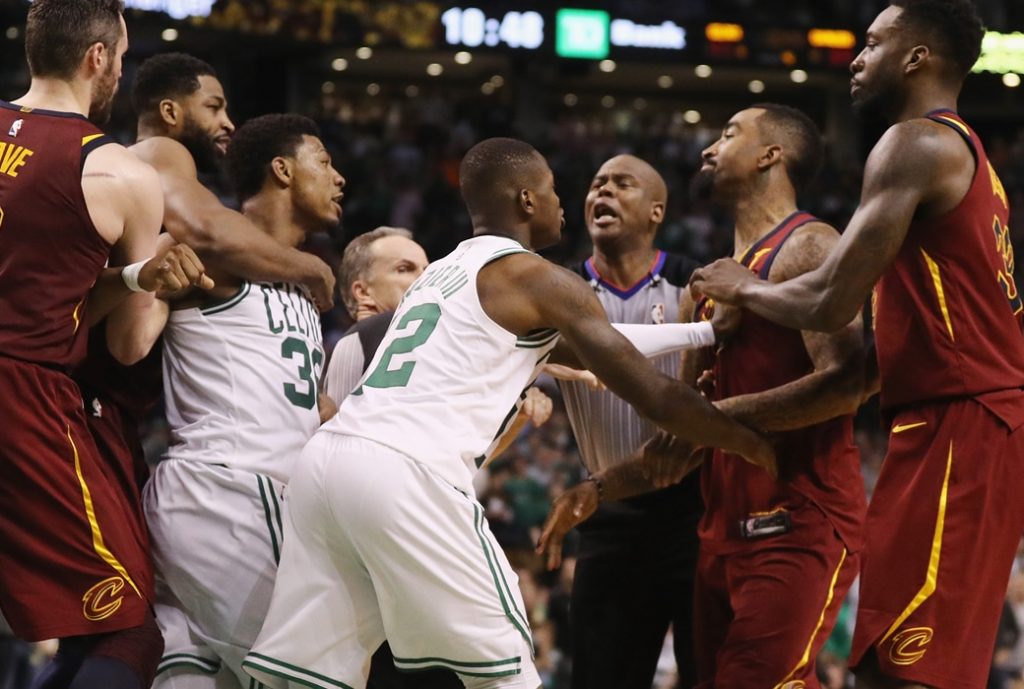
{"x":446,"y":380}
{"x":240,"y":379}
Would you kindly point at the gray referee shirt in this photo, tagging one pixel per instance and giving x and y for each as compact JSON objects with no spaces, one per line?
{"x":607,"y":428}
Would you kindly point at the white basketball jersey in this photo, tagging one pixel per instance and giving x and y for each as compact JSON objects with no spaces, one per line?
{"x":240,"y":379}
{"x":446,"y":380}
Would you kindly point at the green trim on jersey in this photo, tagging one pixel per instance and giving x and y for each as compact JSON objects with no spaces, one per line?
{"x":537,"y":340}
{"x":508,"y":601}
{"x":469,"y":669}
{"x":281,"y":669}
{"x":276,"y":538}
{"x":204,"y":665}
{"x":506,"y":252}
{"x":228,"y":302}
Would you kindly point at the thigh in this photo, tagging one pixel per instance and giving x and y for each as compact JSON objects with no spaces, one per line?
{"x":785,"y":598}
{"x":216,"y":538}
{"x":71,"y":559}
{"x":943,"y":527}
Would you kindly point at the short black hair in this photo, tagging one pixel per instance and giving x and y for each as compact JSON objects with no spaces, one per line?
{"x":255,"y":145}
{"x":495,"y":169}
{"x":169,"y":75}
{"x":58,"y":32}
{"x":799,"y":136}
{"x":954,"y":25}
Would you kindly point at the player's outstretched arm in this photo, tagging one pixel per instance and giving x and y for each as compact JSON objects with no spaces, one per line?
{"x":901,"y":174}
{"x":523,"y":292}
{"x":196,"y":217}
{"x":835,"y":386}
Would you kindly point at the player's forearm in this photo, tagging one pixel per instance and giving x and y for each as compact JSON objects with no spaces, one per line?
{"x":655,"y":340}
{"x":818,"y":301}
{"x":229,"y":241}
{"x":134,"y":327}
{"x":624,"y":480}
{"x":106,"y":294}
{"x":813,"y":399}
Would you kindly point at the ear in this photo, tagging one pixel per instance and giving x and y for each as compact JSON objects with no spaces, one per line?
{"x":919,"y":55}
{"x":95,"y":58}
{"x":657,"y":212}
{"x":770,"y":156}
{"x":281,"y":169}
{"x":361,"y":292}
{"x":170,"y":112}
{"x":526,"y":202}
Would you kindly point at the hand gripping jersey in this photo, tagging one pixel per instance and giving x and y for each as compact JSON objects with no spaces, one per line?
{"x":241,"y":379}
{"x":447,"y":380}
{"x":947,"y":311}
{"x":50,"y":251}
{"x":819,"y":464}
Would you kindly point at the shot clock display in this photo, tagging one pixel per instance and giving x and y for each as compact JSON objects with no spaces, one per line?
{"x":471,"y":27}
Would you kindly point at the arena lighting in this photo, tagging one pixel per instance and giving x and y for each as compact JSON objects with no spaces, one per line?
{"x":607,"y":65}
{"x":608,"y":101}
{"x":463,"y":58}
{"x":12,"y":32}
{"x":665,"y":81}
{"x":169,"y":35}
{"x":691,"y":116}
{"x":1001,"y":53}
{"x":1011,"y":80}
{"x":839,"y":39}
{"x":798,"y":76}
{"x":434,"y":69}
{"x":339,"y":64}
{"x":702,"y":71}
{"x":364,"y":53}
{"x":756,"y":86}
{"x":717,"y":32}
{"x":570,"y":99}
{"x":177,"y":9}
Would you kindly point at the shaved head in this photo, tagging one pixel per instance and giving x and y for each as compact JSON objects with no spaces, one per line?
{"x":650,"y":179}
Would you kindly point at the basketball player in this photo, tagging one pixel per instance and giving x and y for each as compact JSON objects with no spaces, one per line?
{"x":931,"y":236}
{"x":241,"y":365}
{"x":637,"y":558}
{"x":71,"y":563}
{"x":383,"y":539}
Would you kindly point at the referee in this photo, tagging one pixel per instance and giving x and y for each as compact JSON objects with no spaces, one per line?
{"x":636,"y":562}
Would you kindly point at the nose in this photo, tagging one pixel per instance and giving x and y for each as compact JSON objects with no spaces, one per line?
{"x":228,"y":125}
{"x":708,"y":153}
{"x":858,"y":63}
{"x":338,"y":179}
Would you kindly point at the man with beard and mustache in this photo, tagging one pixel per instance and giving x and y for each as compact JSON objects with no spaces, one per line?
{"x":777,"y":554}
{"x":242,"y":364}
{"x":932,"y":232}
{"x":73,"y":561}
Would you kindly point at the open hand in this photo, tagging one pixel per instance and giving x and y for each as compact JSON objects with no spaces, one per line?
{"x":571,"y":508}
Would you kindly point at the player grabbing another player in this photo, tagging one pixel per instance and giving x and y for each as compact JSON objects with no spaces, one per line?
{"x":72,"y":563}
{"x":382,"y":536}
{"x":931,"y":236}
{"x":241,"y":365}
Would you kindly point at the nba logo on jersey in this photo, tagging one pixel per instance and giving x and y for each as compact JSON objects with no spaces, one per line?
{"x":658,"y":314}
{"x":15,"y":128}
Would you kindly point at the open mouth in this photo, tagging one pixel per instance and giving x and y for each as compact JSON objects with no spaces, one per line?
{"x":604,"y":214}
{"x":222,"y":143}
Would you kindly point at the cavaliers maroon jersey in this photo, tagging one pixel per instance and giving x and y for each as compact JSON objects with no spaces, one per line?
{"x":50,"y":251}
{"x":819,"y":464}
{"x":947,"y":312}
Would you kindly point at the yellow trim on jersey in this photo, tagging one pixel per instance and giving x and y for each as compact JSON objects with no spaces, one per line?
{"x":74,"y":314}
{"x":900,"y":427}
{"x":956,"y":123}
{"x":933,"y":268}
{"x":90,"y":513}
{"x":91,"y":137}
{"x":933,"y":560}
{"x":806,"y":657}
{"x":997,"y":186}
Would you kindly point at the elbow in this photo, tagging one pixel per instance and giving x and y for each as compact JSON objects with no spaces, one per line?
{"x":847,"y":385}
{"x":830,"y":315}
{"x":129,"y":351}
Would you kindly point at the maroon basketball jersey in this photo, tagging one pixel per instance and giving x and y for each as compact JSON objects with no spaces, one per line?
{"x":947,"y":312}
{"x":819,"y":464}
{"x":50,"y":251}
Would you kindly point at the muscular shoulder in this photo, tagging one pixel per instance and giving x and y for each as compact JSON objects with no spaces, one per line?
{"x":166,"y":155}
{"x":916,"y":148}
{"x":113,"y":175}
{"x":804,"y":251}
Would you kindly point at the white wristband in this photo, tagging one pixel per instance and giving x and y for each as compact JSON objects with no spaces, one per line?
{"x":130,"y":275}
{"x":655,"y":340}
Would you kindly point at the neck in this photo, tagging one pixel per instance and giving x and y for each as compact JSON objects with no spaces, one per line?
{"x":920,"y":102}
{"x":364,"y":311}
{"x":758,"y":214}
{"x":276,"y":217}
{"x":520,"y":233}
{"x":59,"y":95}
{"x":624,"y":266}
{"x":148,"y":130}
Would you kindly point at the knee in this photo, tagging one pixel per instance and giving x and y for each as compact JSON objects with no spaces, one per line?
{"x":140,"y":648}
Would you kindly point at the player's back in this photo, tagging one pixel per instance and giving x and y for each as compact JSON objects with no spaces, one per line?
{"x":447,"y":380}
{"x":818,"y":464}
{"x":50,"y":251}
{"x":947,"y":311}
{"x":240,"y":379}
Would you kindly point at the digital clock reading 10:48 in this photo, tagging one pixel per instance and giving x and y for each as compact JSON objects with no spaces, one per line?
{"x":470,"y":27}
